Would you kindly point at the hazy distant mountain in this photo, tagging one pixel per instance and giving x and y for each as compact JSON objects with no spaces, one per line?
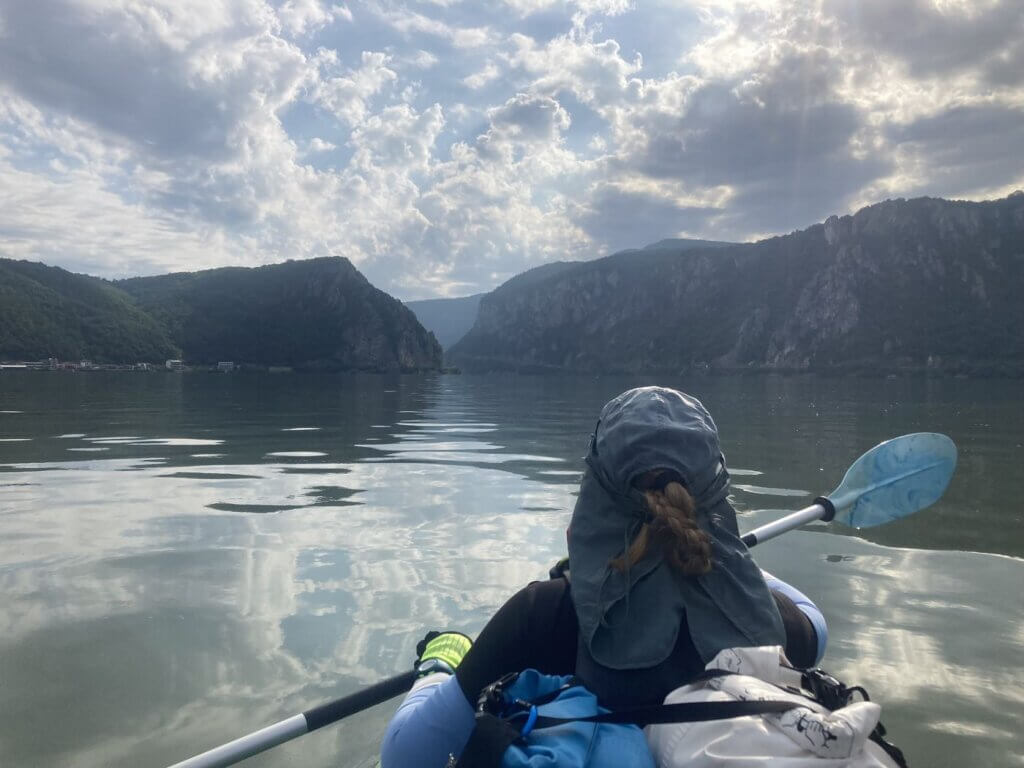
{"x":922,"y":283}
{"x":447,"y":319}
{"x":451,"y":319}
{"x":320,"y":314}
{"x":49,"y":312}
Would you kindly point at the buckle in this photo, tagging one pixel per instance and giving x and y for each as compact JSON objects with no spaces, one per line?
{"x":829,"y":691}
{"x":492,"y":697}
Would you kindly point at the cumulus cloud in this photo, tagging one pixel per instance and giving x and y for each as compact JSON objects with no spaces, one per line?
{"x":301,"y":17}
{"x":444,"y":146}
{"x":347,"y":95}
{"x":319,"y":145}
{"x":483,"y":77}
{"x":411,"y":24}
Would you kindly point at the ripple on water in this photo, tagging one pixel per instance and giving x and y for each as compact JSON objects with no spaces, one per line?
{"x":169,"y":441}
{"x":223,"y":506}
{"x":15,"y":439}
{"x":762,"y":491}
{"x":296,"y":454}
{"x":71,"y":435}
{"x":457,"y":457}
{"x":300,"y":429}
{"x":970,"y":729}
{"x":211,"y":476}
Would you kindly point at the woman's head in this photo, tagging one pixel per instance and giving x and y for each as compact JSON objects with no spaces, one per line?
{"x":652,"y":507}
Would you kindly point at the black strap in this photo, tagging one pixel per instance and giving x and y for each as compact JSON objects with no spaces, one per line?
{"x":487,"y":743}
{"x":686,"y":712}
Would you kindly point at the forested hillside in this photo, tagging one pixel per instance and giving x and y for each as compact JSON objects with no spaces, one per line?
{"x":320,"y":314}
{"x":49,"y":312}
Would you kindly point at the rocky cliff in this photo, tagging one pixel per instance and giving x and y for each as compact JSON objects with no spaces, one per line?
{"x":320,"y":314}
{"x":904,"y":284}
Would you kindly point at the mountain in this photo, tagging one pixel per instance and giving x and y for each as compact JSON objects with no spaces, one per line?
{"x":904,"y":284}
{"x":447,"y":319}
{"x":49,"y":312}
{"x":318,"y":314}
{"x":451,"y":319}
{"x":684,"y":244}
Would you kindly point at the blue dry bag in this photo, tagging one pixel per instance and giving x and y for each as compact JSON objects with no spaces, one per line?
{"x":506,"y":735}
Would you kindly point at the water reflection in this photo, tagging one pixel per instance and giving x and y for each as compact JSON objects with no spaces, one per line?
{"x":160,"y":599}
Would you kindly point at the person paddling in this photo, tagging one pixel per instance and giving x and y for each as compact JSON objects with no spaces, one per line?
{"x":658,"y":583}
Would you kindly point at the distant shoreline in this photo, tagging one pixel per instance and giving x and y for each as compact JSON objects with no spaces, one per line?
{"x":993,"y":371}
{"x":88,"y":367}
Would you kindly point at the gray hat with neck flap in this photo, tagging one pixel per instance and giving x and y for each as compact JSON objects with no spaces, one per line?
{"x":631,"y":620}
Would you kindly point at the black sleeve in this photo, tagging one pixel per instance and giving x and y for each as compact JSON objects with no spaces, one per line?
{"x":801,"y":639}
{"x":536,"y":628}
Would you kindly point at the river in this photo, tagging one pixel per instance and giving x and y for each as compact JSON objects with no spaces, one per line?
{"x":185,"y":558}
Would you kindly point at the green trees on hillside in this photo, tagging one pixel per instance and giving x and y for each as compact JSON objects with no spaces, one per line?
{"x":48,"y":312}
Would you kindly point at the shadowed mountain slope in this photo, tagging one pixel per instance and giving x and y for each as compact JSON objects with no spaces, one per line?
{"x":320,"y":314}
{"x":923,"y":283}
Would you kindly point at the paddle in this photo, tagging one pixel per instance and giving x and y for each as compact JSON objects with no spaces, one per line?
{"x":892,"y":480}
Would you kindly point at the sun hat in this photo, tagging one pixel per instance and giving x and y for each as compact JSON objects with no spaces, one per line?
{"x":630,"y":620}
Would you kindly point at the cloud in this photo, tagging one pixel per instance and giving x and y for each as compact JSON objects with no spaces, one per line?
{"x":622,"y":217}
{"x":479,"y":79}
{"x":319,"y":145}
{"x":410,"y":24}
{"x":154,"y":77}
{"x":938,"y":38}
{"x":444,"y":146}
{"x":587,"y":7}
{"x":964,"y":148}
{"x":302,"y":17}
{"x":347,"y":95}
{"x":788,"y":155}
{"x":529,"y":119}
{"x":593,"y":71}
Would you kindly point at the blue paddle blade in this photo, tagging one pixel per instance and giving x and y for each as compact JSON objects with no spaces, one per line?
{"x":895,"y":479}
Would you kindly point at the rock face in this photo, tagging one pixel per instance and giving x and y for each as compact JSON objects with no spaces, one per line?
{"x":320,"y":314}
{"x":904,"y":284}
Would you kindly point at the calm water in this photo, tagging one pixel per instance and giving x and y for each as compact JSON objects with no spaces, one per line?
{"x":186,"y":558}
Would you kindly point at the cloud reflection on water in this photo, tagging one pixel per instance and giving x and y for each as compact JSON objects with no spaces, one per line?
{"x":179,"y":624}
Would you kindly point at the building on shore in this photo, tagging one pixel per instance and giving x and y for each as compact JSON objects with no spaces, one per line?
{"x":175,"y":365}
{"x":225,"y":366}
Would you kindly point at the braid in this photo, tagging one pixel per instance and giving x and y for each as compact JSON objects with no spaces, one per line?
{"x":674,"y":525}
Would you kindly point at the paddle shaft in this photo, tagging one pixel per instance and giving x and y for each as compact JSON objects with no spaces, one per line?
{"x":297,"y":725}
{"x":821,"y":509}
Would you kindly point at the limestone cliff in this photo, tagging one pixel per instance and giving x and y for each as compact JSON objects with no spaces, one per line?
{"x":904,"y":284}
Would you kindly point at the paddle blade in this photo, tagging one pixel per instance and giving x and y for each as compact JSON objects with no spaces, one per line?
{"x":895,"y":479}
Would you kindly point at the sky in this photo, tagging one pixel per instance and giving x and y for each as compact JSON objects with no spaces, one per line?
{"x":444,"y":146}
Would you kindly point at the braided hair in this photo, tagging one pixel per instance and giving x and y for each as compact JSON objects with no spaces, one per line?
{"x":671,"y":525}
